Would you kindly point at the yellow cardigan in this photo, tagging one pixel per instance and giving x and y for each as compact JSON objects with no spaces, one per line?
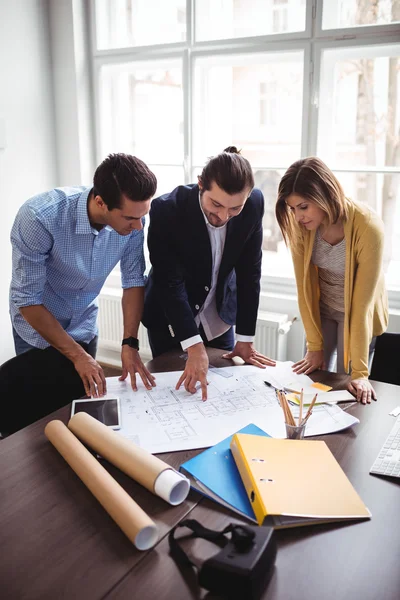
{"x":365,"y":298}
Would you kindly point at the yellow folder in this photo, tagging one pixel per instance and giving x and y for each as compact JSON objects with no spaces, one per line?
{"x":294,"y":482}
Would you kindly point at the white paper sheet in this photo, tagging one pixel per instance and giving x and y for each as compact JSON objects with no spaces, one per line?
{"x":166,"y":420}
{"x":283,"y":373}
{"x":331,"y":397}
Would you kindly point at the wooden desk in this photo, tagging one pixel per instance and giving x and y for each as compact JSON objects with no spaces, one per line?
{"x":58,"y":542}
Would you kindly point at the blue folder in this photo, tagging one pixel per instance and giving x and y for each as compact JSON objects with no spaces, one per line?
{"x":214,"y":474}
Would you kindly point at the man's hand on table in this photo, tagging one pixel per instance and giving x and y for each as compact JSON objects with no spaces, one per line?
{"x":132,"y":364}
{"x":247,"y":352}
{"x":91,"y":374}
{"x":195,"y":370}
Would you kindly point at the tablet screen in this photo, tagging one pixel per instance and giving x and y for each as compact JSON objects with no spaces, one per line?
{"x":106,"y":411}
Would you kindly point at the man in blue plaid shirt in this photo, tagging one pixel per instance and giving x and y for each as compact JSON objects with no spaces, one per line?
{"x":65,"y":243}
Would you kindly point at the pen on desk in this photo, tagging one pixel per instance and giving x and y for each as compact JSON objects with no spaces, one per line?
{"x":269,"y":384}
{"x":284,"y":389}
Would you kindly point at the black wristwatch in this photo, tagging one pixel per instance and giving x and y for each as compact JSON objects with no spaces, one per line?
{"x":132,"y":342}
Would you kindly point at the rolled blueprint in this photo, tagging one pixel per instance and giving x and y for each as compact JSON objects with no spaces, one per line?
{"x":148,"y":470}
{"x":133,"y":521}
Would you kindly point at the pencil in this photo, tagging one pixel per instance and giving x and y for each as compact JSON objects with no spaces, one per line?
{"x":289,"y":416}
{"x":310,"y":407}
{"x":308,"y":414}
{"x":279,"y":394}
{"x":291,"y":420}
{"x":301,"y":406}
{"x":306,"y":418}
{"x":283,"y":405}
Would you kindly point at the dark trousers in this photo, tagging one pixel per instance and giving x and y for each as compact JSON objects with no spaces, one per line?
{"x":36,"y":383}
{"x":161,"y":341}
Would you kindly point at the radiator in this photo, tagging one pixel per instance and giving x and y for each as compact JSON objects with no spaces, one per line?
{"x":271,"y":333}
{"x":110,"y":324}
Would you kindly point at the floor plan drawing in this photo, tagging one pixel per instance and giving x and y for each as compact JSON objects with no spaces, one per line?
{"x":164,"y":419}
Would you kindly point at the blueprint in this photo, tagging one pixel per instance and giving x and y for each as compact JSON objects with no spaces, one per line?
{"x":165,"y":420}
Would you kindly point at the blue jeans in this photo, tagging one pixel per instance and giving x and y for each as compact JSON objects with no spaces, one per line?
{"x":22,"y":346}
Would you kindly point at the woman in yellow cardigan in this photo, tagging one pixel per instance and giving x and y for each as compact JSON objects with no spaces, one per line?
{"x":336,"y":246}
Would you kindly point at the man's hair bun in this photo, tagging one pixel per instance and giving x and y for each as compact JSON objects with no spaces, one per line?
{"x":232,"y":150}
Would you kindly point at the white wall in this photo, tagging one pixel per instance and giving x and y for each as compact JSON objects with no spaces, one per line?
{"x":27,"y":162}
{"x":69,"y":47}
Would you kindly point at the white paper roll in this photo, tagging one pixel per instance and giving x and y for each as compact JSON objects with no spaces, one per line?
{"x":172,"y":486}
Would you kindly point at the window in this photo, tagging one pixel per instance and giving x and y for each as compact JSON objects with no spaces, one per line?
{"x":340,"y":14}
{"x":358,"y":132}
{"x":175,"y":82}
{"x":226,"y":19}
{"x":125,"y":23}
{"x":227,"y":95}
{"x":280,"y":16}
{"x":135,"y":98}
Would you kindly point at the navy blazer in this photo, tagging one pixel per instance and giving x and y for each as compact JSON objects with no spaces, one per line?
{"x":180,"y":254}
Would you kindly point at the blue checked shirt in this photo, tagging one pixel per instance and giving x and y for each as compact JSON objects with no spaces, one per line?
{"x":59,"y":260}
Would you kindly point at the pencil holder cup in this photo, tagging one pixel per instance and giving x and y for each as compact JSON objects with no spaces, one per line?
{"x":295,"y":432}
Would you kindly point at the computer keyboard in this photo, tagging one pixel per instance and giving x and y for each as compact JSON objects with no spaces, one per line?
{"x":388,"y":460}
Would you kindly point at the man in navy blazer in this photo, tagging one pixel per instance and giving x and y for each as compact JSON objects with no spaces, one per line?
{"x":205,"y":249}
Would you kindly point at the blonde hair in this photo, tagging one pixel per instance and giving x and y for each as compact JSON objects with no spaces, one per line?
{"x":311,"y":179}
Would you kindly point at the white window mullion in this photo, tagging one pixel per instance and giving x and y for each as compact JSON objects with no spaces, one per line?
{"x":187,"y":115}
{"x":327,"y":13}
{"x":307,"y":148}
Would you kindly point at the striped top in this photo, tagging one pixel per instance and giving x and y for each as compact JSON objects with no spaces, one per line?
{"x":331,"y":261}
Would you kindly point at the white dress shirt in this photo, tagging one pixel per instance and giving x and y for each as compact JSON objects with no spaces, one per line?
{"x":208,"y":315}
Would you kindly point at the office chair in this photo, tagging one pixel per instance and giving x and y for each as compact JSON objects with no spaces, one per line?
{"x":386,"y":361}
{"x":33,"y":385}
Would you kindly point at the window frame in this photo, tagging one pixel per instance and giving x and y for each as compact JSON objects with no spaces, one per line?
{"x":342,"y":44}
{"x":348,"y":33}
{"x":98,"y":63}
{"x":312,"y":41}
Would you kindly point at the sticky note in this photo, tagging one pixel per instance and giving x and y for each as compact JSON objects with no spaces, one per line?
{"x":321,"y":386}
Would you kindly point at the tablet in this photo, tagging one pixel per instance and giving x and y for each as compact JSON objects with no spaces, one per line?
{"x":105,"y":410}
